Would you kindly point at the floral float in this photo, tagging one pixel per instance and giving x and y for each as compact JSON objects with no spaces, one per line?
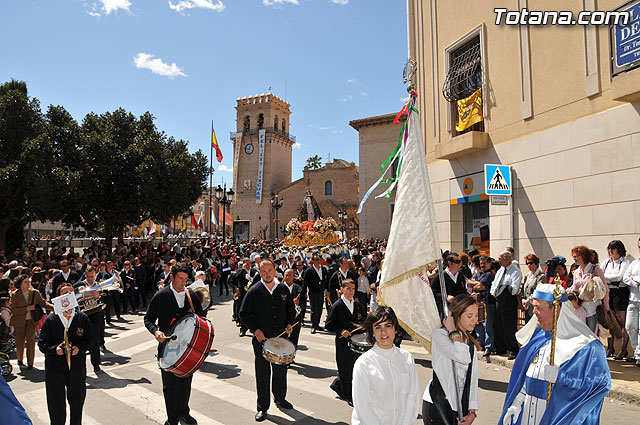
{"x":320,"y":232}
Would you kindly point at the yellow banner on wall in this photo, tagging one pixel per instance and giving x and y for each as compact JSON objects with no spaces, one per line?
{"x":469,"y":110}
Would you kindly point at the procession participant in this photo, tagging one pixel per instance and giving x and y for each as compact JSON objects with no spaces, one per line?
{"x":529,"y":284}
{"x":453,"y":279}
{"x":296,"y":295}
{"x":480,"y":284}
{"x":580,"y":376}
{"x":315,"y":280}
{"x":505,"y":288}
{"x":343,"y":272}
{"x":23,"y":306}
{"x":267,"y":310}
{"x":65,"y":276}
{"x":298,"y":270}
{"x":109,"y":272}
{"x":452,"y":345}
{"x":65,"y":368}
{"x":344,"y":316}
{"x":167,"y":305}
{"x":385,"y":385}
{"x":128,"y":280}
{"x":96,"y":316}
{"x":587,"y":262}
{"x":241,"y":281}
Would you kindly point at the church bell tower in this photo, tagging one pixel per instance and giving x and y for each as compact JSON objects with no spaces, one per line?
{"x":262,"y":149}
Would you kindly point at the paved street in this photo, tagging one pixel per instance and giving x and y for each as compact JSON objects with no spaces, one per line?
{"x":129,"y":392}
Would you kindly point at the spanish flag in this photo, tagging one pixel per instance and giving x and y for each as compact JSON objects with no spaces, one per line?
{"x":214,"y":144}
{"x":469,"y":110}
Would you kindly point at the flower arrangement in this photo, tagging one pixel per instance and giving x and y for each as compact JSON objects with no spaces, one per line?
{"x":312,"y":233}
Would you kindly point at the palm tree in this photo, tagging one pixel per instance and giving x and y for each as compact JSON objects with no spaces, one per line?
{"x":314,"y":162}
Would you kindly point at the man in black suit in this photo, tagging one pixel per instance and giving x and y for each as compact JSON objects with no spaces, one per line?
{"x":298,"y":271}
{"x":344,"y":316}
{"x":58,"y":377}
{"x":267,"y":310}
{"x":315,"y":280}
{"x":65,"y":276}
{"x":299,"y":299}
{"x":239,"y":282}
{"x":140,"y":276}
{"x":165,"y":306}
{"x":343,"y":272}
{"x":453,"y":279}
{"x":96,"y":316}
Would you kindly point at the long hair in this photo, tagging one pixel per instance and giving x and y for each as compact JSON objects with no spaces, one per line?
{"x":457,"y":308}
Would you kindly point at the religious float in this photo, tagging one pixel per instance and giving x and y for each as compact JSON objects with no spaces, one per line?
{"x":310,"y":228}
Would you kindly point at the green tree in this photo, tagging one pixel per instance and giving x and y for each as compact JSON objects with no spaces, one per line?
{"x":314,"y":162}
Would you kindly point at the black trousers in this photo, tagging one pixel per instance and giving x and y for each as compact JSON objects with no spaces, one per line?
{"x":295,"y":334}
{"x":74,"y":384}
{"x":176,"y":395}
{"x":129,"y":300}
{"x":264,"y":380}
{"x":505,"y":323}
{"x":97,"y":326}
{"x":223,"y":282}
{"x":115,"y":300}
{"x":345,"y":359}
{"x":316,"y":300}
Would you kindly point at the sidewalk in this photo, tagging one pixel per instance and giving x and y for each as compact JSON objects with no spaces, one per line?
{"x":625,"y":379}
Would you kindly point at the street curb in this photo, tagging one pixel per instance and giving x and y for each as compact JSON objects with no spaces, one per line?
{"x":617,"y":392}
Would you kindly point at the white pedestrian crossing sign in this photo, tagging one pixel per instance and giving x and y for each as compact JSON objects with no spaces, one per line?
{"x":497,"y":179}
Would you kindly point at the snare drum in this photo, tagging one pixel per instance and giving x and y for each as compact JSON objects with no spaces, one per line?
{"x":358,"y":343}
{"x":279,"y":351}
{"x":184,"y":355}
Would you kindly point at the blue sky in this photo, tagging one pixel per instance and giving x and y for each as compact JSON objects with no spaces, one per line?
{"x":186,"y":61}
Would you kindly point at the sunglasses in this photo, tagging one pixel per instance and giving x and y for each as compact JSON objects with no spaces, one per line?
{"x":530,"y":262}
{"x":456,"y":261}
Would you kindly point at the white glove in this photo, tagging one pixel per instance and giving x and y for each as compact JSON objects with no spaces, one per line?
{"x":511,"y":416}
{"x":550,"y":373}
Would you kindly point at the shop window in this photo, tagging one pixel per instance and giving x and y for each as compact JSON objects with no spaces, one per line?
{"x":328,"y":188}
{"x":475,"y":226}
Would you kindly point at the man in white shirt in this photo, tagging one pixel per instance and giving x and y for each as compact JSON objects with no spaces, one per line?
{"x":632,"y":280}
{"x":505,"y":288}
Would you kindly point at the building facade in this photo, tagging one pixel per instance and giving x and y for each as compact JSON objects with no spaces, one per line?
{"x":551,"y":108}
{"x":262,"y":149}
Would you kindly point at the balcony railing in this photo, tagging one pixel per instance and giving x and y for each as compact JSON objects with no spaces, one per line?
{"x":234,"y":134}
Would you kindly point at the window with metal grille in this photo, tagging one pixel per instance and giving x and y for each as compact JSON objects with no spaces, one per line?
{"x":464,"y":77}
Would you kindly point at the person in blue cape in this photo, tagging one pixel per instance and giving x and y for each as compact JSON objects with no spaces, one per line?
{"x":12,"y":410}
{"x":580,"y":376}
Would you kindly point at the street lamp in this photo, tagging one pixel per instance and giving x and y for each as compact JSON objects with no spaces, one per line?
{"x":225,"y":198}
{"x":276,"y":204}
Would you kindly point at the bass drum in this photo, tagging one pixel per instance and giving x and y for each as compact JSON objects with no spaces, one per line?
{"x":186,"y":353}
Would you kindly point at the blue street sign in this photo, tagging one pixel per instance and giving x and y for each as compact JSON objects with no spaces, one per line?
{"x":497,"y":179}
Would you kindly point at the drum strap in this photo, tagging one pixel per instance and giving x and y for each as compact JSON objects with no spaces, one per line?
{"x":190,"y":302}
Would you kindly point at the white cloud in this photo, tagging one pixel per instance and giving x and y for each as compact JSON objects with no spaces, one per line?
{"x":224,"y":168}
{"x":274,"y":2}
{"x":297,"y":145}
{"x":336,"y":131}
{"x":340,"y":2}
{"x":203,"y":4}
{"x":344,"y":99}
{"x":114,"y":5}
{"x":351,"y":80}
{"x":324,"y":128}
{"x":144,"y":60}
{"x":364,"y":93}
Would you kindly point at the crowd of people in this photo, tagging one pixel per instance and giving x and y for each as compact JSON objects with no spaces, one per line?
{"x":272,"y":287}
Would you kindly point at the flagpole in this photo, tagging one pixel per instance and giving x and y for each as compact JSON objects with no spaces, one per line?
{"x":211,"y":180}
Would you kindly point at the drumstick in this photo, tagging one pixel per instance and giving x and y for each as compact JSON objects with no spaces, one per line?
{"x":171,"y":337}
{"x":283,"y":332}
{"x":357,"y":328}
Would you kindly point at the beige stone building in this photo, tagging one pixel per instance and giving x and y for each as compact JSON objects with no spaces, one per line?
{"x":378,"y":136}
{"x":552,"y":110}
{"x":262,"y":169}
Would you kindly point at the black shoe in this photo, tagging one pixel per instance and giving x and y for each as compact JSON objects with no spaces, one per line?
{"x":284,"y":404}
{"x":97,"y":369}
{"x":512,"y":356}
{"x":243,"y":333}
{"x":630,"y":360}
{"x":261,"y":416}
{"x":313,"y":330}
{"x":350,"y":403}
{"x":320,"y":328}
{"x":29,"y":367}
{"x":187,"y":419}
{"x":620,"y":356}
{"x":486,"y":353}
{"x":103,"y":348}
{"x":638,"y":363}
{"x":20,"y":363}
